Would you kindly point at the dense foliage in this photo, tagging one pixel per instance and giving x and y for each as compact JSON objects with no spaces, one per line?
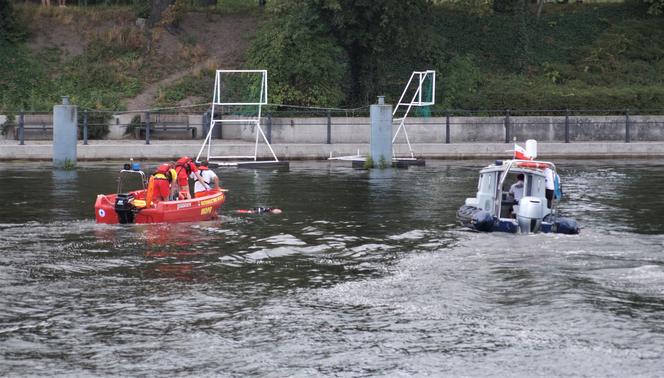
{"x":332,"y":52}
{"x":656,"y":7}
{"x":488,"y":54}
{"x":107,"y":72}
{"x":306,"y":65}
{"x":573,"y":55}
{"x":10,"y":30}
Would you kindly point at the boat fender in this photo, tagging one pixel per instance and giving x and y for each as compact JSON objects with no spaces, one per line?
{"x":567,"y":226}
{"x":482,"y":221}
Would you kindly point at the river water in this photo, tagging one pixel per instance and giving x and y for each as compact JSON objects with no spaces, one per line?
{"x":364,"y":274}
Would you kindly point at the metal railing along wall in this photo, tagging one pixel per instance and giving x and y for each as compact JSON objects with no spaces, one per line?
{"x":330,"y":126}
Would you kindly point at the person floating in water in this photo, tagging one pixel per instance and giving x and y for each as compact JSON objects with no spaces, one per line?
{"x":260,"y":210}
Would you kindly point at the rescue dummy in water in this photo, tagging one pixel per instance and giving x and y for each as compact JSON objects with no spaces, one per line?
{"x":260,"y":210}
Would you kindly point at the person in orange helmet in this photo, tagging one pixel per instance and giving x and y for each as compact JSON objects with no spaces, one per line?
{"x":184,"y":167}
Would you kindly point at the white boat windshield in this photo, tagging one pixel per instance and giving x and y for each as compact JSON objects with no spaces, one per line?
{"x":534,"y":185}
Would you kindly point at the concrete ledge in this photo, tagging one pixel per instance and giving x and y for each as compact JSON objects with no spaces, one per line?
{"x":168,"y":150}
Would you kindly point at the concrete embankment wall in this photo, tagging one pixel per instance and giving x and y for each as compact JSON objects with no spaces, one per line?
{"x":461,"y":129}
{"x":420,"y":130}
{"x":470,"y":137}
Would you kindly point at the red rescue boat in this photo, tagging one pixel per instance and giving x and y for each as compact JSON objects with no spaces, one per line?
{"x":137,"y":206}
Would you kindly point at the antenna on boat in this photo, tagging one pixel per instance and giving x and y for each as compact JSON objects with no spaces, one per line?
{"x":531,"y":148}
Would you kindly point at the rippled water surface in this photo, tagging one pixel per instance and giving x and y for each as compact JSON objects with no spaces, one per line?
{"x":364,"y":274}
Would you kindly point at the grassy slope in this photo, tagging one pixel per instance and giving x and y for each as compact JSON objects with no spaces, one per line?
{"x":98,"y":56}
{"x":109,"y":68}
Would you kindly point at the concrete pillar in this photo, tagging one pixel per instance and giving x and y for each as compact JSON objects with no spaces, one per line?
{"x":381,"y":133}
{"x":65,"y":134}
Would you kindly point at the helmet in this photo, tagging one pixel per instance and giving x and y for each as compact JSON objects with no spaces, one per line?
{"x":163,"y":168}
{"x":183,"y":160}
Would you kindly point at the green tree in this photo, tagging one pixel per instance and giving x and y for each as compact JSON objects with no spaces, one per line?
{"x":378,"y":36}
{"x":656,"y":7}
{"x":9,"y":27}
{"x":522,"y":48}
{"x":306,"y":65}
{"x":504,"y":6}
{"x":372,"y":44}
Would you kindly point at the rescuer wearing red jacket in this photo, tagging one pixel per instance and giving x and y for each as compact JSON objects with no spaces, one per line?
{"x":184,"y":167}
{"x":162,"y":183}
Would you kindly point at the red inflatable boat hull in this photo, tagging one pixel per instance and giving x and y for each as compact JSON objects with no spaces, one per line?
{"x":192,"y":210}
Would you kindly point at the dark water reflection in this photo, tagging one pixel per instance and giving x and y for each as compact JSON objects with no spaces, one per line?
{"x":365,"y":273}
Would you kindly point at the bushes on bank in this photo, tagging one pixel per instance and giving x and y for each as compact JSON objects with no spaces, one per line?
{"x":306,"y":66}
{"x":575,"y":55}
{"x":109,"y":70}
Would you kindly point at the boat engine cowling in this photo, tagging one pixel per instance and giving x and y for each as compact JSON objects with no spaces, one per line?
{"x":530,"y":214}
{"x":124,"y":208}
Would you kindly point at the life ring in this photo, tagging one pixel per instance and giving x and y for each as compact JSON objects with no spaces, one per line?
{"x":533,"y":164}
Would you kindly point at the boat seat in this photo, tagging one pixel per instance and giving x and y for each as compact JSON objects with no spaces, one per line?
{"x":139,"y":204}
{"x":507,"y":206}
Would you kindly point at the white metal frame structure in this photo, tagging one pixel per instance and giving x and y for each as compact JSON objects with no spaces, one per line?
{"x":420,"y":78}
{"x":218,"y":102}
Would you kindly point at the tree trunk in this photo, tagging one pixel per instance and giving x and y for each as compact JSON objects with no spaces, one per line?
{"x":156,"y":9}
{"x":540,"y":6}
{"x":356,"y":87}
{"x":522,"y":47}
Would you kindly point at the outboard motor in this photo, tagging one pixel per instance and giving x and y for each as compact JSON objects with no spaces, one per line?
{"x":124,"y":208}
{"x":530,"y":214}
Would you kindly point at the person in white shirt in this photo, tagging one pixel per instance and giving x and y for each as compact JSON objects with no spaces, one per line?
{"x":517,"y":188}
{"x":548,"y":175}
{"x":209,"y":177}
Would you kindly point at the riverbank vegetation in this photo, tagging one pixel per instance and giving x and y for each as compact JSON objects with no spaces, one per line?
{"x":488,"y":54}
{"x":592,"y":56}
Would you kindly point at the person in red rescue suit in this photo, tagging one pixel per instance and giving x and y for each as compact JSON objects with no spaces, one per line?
{"x":184,"y":167}
{"x":175,"y":189}
{"x":161,"y":189}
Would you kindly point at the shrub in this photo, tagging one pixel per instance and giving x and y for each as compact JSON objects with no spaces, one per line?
{"x":306,"y":65}
{"x":460,"y":78}
{"x":10,"y":30}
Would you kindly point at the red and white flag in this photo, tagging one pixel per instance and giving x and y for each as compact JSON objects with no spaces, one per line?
{"x":520,"y":153}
